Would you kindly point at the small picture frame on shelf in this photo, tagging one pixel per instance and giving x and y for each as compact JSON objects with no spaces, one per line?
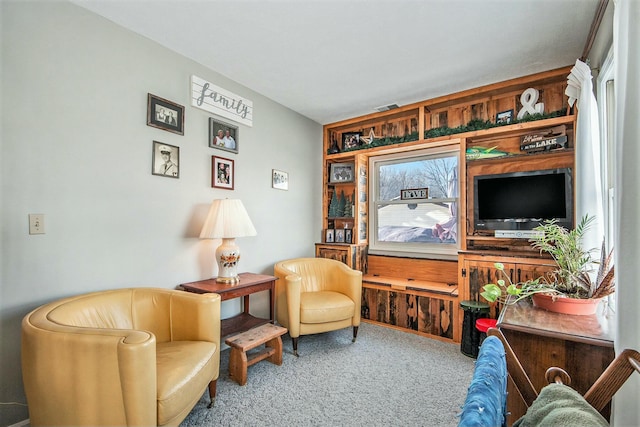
{"x":348,"y":235}
{"x":504,"y":117}
{"x":341,"y":172}
{"x":329,"y":235}
{"x":350,"y":140}
{"x":164,"y":114}
{"x":340,"y":235}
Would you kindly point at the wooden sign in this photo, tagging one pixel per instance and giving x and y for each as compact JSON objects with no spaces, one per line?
{"x":546,"y":139}
{"x":414,"y":193}
{"x":216,"y":100}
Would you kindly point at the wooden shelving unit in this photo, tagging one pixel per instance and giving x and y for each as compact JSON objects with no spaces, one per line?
{"x":406,"y":128}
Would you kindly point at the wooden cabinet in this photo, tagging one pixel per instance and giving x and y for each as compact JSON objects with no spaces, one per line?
{"x":477,"y":269}
{"x":581,"y":345}
{"x":352,"y":255}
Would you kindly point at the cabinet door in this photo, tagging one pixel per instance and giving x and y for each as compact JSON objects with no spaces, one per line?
{"x":478,"y":274}
{"x":524,"y":272}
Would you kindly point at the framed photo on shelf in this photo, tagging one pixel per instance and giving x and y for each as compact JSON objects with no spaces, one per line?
{"x":165,"y":160}
{"x":223,"y":136}
{"x":329,"y":235}
{"x":504,"y":117}
{"x":341,"y":172}
{"x":164,"y":114}
{"x":348,"y":235}
{"x":279,"y":179}
{"x":222,"y":172}
{"x":339,"y":235}
{"x":350,"y":140}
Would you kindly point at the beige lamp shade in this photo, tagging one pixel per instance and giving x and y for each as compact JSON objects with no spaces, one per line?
{"x":227,"y":219}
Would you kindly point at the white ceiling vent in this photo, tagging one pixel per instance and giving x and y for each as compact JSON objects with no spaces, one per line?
{"x":386,"y":107}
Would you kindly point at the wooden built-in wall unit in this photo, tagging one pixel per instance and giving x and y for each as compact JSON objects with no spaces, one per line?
{"x":423,"y":295}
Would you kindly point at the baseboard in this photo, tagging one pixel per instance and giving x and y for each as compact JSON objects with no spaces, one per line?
{"x":21,"y":423}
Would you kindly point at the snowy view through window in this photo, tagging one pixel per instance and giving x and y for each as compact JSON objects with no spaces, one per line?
{"x":432,"y":220}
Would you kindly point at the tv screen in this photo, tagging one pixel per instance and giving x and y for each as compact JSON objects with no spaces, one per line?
{"x":521,"y":200}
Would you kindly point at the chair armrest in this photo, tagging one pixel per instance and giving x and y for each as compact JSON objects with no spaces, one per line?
{"x":108,"y":367}
{"x":195,"y":317}
{"x":348,"y":281}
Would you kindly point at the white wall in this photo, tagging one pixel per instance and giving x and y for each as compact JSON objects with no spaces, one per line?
{"x":76,"y":148}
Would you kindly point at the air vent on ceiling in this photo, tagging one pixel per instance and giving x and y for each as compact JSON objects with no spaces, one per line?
{"x":386,"y":107}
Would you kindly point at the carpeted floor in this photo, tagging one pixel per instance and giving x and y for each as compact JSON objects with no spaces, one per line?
{"x":386,"y":378}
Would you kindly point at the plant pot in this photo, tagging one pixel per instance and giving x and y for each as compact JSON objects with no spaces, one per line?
{"x":565,"y":305}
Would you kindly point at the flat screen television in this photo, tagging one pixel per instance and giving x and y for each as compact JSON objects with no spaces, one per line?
{"x":522,"y":200}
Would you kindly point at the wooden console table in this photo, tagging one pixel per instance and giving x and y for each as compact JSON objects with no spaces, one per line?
{"x":581,"y":345}
{"x":249,"y":283}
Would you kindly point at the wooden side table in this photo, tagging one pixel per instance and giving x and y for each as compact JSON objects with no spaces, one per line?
{"x":250,"y":283}
{"x":581,"y":345}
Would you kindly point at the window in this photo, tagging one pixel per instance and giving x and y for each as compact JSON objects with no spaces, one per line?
{"x":414,"y":203}
{"x":606,"y":108}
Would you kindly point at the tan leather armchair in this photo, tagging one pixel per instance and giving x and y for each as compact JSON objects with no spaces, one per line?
{"x":315,"y":295}
{"x":125,"y":357}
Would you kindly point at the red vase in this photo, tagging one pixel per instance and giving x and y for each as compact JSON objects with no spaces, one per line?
{"x":566,"y":305}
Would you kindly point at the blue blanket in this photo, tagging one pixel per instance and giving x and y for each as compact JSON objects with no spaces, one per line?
{"x":485,"y":405}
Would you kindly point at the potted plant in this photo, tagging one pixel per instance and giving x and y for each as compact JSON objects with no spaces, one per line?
{"x":570,"y":284}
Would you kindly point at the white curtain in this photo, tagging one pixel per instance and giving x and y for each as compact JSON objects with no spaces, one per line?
{"x":626,"y":42}
{"x":588,"y":183}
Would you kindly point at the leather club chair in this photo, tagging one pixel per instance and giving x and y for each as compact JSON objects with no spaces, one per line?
{"x":315,"y":295}
{"x":125,"y":357}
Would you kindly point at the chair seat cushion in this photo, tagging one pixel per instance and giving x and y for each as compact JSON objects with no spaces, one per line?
{"x":184,"y":369}
{"x":325,"y":306}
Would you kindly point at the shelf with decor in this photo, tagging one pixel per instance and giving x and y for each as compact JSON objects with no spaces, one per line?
{"x":508,"y":127}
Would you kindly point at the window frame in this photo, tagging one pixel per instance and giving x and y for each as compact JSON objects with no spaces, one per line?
{"x":445,"y":251}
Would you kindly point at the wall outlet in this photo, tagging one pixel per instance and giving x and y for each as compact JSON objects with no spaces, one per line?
{"x":36,"y":223}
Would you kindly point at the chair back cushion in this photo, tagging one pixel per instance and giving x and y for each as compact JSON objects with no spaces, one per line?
{"x":145,"y":309}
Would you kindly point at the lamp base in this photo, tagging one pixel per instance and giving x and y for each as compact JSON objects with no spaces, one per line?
{"x":228,"y":280}
{"x":228,"y":256}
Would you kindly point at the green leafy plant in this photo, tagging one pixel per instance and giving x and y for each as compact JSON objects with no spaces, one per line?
{"x":572,"y":277}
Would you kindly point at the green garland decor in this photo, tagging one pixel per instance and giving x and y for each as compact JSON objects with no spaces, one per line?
{"x":473,"y":125}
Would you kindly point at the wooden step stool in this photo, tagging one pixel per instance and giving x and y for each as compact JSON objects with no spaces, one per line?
{"x":266,"y":334}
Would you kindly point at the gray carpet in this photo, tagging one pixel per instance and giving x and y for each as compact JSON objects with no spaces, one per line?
{"x":386,"y":378}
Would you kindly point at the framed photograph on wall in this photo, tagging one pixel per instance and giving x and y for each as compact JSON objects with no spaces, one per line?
{"x":164,"y":114}
{"x":165,"y":160}
{"x":279,"y":179}
{"x":341,"y":172}
{"x":223,"y":136}
{"x":222,"y":172}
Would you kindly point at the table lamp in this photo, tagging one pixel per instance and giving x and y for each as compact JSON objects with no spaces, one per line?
{"x":227,"y":219}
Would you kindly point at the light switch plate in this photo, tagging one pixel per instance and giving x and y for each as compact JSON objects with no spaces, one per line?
{"x":36,"y":223}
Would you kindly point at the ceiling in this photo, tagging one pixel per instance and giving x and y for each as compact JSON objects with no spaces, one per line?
{"x":331,"y":60}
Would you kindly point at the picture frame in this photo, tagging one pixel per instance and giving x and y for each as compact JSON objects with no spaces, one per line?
{"x":340,"y":235}
{"x":504,"y":117}
{"x":165,"y":160}
{"x":341,"y":172}
{"x":279,"y":179}
{"x":348,"y":235}
{"x":164,"y":114}
{"x":329,"y":235}
{"x":350,"y":140}
{"x":222,"y":173}
{"x":223,"y":135}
